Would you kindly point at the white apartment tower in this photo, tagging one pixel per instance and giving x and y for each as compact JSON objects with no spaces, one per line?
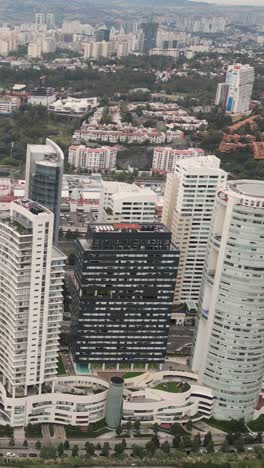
{"x":188,"y":206}
{"x":237,"y":90}
{"x":31,"y":303}
{"x":228,"y":352}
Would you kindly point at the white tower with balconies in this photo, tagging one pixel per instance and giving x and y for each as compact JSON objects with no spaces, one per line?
{"x":188,"y":207}
{"x":229,"y":342}
{"x":31,"y":303}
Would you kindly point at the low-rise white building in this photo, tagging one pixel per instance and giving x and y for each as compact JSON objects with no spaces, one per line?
{"x":126,"y":203}
{"x":93,"y":159}
{"x":41,"y":96}
{"x":73,"y":106}
{"x":9,"y":104}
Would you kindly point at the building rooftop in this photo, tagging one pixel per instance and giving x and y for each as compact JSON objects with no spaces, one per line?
{"x":252,"y":188}
{"x":32,"y":206}
{"x":128,"y":227}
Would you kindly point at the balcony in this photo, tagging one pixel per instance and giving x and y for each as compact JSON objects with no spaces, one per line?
{"x":216,"y":240}
{"x":211,"y":276}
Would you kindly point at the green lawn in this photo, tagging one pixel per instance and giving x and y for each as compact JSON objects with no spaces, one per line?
{"x":228,"y":426}
{"x":60,"y":367}
{"x":129,"y":375}
{"x":173,"y":387}
{"x":258,"y":424}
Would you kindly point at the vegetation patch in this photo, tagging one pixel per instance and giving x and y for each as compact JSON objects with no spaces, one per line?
{"x":33,"y":431}
{"x":129,"y":375}
{"x":228,"y":426}
{"x":93,"y":430}
{"x":258,"y":424}
{"x":173,"y":387}
{"x":60,"y":367}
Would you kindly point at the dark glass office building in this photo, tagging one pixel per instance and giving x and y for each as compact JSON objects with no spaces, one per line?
{"x":150,"y":31}
{"x":44,"y":174}
{"x":122,"y":294}
{"x":102,"y":35}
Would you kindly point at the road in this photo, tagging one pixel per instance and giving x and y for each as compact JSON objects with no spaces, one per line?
{"x":179,"y":338}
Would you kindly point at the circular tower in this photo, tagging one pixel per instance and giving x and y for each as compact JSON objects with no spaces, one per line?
{"x":228,"y":351}
{"x":114,"y":402}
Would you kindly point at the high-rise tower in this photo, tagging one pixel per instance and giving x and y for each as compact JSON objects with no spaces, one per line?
{"x":44,"y":173}
{"x":188,"y":207}
{"x":31,"y":276}
{"x":228,"y":351}
{"x":235,"y":93}
{"x":150,"y":31}
{"x":123,"y":293}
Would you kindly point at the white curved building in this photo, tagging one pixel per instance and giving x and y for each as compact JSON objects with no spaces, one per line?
{"x":80,"y":401}
{"x":228,"y":352}
{"x":156,"y":399}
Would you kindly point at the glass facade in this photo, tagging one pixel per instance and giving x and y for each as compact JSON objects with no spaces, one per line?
{"x":122,"y":295}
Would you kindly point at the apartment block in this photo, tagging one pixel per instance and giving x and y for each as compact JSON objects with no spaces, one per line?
{"x":93,"y":159}
{"x":188,"y":207}
{"x":165,"y":159}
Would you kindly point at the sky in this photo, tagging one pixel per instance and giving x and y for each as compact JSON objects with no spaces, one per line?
{"x":236,"y":2}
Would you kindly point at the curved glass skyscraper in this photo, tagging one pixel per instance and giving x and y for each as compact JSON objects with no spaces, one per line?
{"x":229,"y":343}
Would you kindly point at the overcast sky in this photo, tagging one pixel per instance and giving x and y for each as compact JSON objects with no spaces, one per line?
{"x":236,"y":2}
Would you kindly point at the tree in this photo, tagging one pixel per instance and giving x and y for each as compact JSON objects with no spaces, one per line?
{"x":137,"y":426}
{"x":66,"y":445}
{"x":195,"y":444}
{"x":105,"y":450}
{"x":189,"y":425}
{"x":176,"y":441}
{"x":181,"y":445}
{"x":90,"y":449}
{"x":187,"y":441}
{"x":230,"y":438}
{"x":119,"y":430}
{"x":239,"y":444}
{"x":128,"y":426}
{"x":207,"y":438}
{"x":75,"y":450}
{"x":71,"y":259}
{"x":119,"y":449}
{"x":25,"y":443}
{"x":155,"y":428}
{"x":60,"y":449}
{"x":12,"y":442}
{"x":210,"y":446}
{"x":225,"y":446}
{"x":150,"y":447}
{"x":155,"y":441}
{"x":124,"y":443}
{"x":137,"y":452}
{"x":38,"y":445}
{"x":165,"y":447}
{"x":98,"y":446}
{"x":48,"y":452}
{"x":175,"y":429}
